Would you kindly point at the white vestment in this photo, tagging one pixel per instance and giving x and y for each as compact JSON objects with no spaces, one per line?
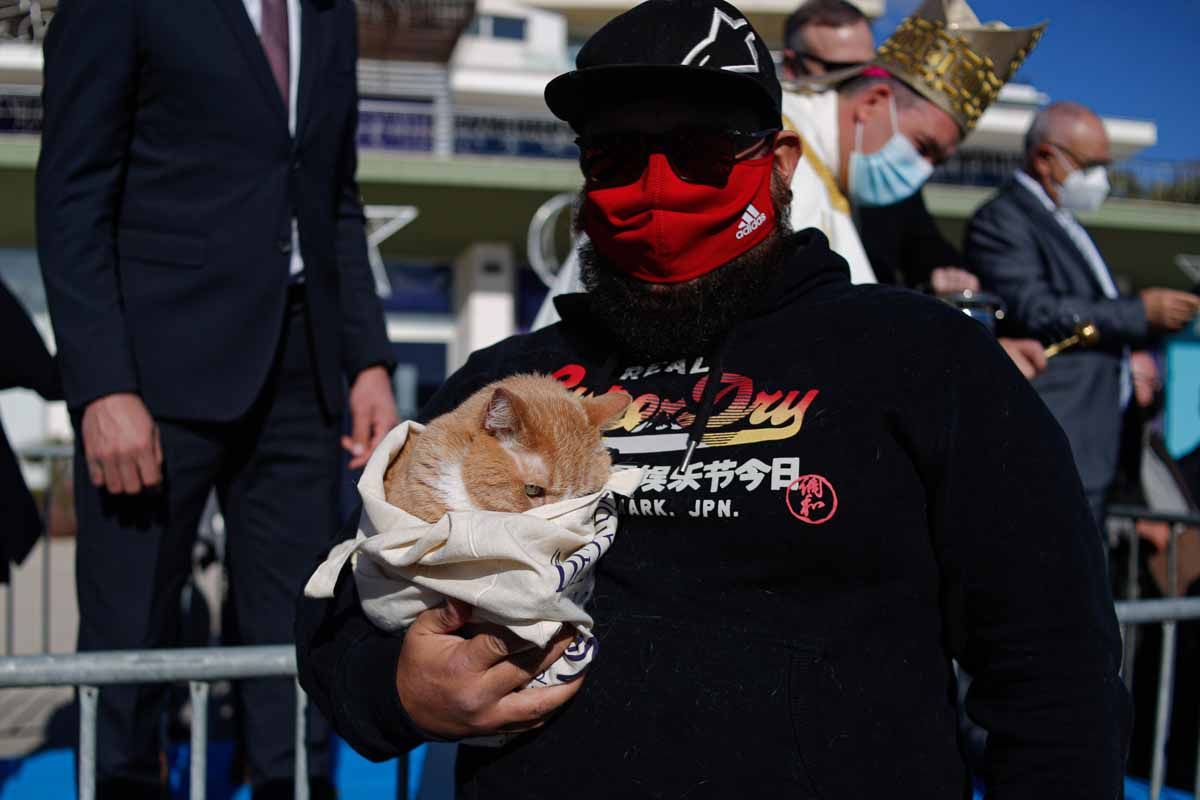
{"x":816,"y":200}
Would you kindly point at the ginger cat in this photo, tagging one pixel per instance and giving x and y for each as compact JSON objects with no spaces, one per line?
{"x":521,"y":442}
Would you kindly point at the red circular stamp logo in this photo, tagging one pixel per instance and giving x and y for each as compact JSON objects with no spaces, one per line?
{"x":811,"y":499}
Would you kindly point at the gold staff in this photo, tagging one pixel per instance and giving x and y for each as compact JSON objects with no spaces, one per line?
{"x":1086,"y":334}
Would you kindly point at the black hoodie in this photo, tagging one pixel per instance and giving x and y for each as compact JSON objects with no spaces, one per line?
{"x":874,"y":491}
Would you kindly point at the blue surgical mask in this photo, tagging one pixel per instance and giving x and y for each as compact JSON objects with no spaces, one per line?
{"x":892,"y":173}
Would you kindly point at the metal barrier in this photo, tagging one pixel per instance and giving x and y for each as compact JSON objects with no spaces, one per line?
{"x":47,"y":455}
{"x":88,"y":672}
{"x":199,"y":667}
{"x":1168,"y":613}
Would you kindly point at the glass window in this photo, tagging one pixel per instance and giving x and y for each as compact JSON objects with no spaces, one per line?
{"x":508,"y":28}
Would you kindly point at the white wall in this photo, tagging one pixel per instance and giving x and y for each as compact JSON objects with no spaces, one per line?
{"x":486,"y":71}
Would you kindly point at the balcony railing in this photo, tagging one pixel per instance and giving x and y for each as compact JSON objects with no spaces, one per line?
{"x":410,"y":126}
{"x":432,"y":125}
{"x":415,"y":30}
{"x":412,"y":30}
{"x":20,"y":109}
{"x":25,"y":20}
{"x":1135,"y":178}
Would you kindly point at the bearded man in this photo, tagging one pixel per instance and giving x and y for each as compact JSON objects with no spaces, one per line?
{"x":846,"y":487}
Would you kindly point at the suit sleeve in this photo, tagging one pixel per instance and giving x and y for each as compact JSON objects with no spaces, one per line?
{"x":90,"y":77}
{"x":1027,"y":608}
{"x":1001,"y":250}
{"x":364,"y":332}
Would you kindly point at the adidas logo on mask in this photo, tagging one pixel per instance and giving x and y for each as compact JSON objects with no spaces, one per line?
{"x":752,"y":220}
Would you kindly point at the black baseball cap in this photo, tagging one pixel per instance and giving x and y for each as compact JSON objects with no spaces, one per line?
{"x":690,"y":48}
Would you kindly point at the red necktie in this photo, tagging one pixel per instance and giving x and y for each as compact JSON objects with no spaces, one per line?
{"x":275,"y":42}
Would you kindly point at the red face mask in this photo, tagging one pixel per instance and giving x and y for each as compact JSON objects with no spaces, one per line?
{"x":662,"y":229}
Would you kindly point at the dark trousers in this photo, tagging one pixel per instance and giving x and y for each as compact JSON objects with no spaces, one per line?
{"x":275,"y":471}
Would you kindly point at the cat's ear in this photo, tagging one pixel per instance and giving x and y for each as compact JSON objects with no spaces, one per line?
{"x":502,"y":416}
{"x":606,"y":409}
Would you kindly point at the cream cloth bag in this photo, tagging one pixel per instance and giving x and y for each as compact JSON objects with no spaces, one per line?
{"x":530,"y":572}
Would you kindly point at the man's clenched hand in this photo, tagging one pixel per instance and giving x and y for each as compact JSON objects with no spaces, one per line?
{"x":1028,"y":354}
{"x":453,"y":687}
{"x":372,"y":414}
{"x":952,"y":280}
{"x":1168,"y":309}
{"x":121,"y":444}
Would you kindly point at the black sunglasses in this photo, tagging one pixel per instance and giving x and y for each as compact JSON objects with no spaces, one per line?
{"x":829,"y":66}
{"x":696,"y":154}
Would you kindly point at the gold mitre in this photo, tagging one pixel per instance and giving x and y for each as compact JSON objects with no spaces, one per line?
{"x":960,"y":65}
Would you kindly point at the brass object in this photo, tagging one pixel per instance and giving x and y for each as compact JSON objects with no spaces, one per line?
{"x":944,"y":53}
{"x":1086,"y":334}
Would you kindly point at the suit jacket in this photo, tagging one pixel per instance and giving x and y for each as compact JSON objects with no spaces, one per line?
{"x":904,"y":243}
{"x":24,"y":363}
{"x":166,"y":187}
{"x":1022,"y":253}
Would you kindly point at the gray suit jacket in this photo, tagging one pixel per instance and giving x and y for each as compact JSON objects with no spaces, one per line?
{"x":1021,"y":253}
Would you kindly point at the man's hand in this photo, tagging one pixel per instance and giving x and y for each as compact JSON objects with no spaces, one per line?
{"x":121,"y":444}
{"x":372,"y":414}
{"x":1146,"y":380}
{"x":453,"y":687}
{"x":1028,"y":354}
{"x":952,"y":280}
{"x":1168,"y":309}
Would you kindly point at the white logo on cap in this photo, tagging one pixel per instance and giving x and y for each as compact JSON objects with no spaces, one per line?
{"x":714,"y":31}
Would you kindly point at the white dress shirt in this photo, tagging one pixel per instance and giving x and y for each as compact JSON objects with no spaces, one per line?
{"x":1091,"y":254}
{"x":254,"y":10}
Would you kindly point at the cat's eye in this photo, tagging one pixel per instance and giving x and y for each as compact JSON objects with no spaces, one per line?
{"x":534,"y":491}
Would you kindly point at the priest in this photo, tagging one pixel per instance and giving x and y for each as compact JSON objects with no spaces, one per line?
{"x":877,"y":138}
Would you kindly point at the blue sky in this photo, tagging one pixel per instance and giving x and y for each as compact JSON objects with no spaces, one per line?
{"x":1121,"y":57}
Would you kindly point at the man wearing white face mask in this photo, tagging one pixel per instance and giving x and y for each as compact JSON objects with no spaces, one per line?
{"x":876,"y":139}
{"x":1026,"y":246}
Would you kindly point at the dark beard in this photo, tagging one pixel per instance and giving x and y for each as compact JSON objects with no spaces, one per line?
{"x":663,"y":322}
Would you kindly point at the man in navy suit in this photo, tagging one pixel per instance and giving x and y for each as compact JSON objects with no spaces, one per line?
{"x":1027,"y":246}
{"x":202,"y":243}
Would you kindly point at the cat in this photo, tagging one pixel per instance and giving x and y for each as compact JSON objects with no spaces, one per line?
{"x":521,"y":442}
